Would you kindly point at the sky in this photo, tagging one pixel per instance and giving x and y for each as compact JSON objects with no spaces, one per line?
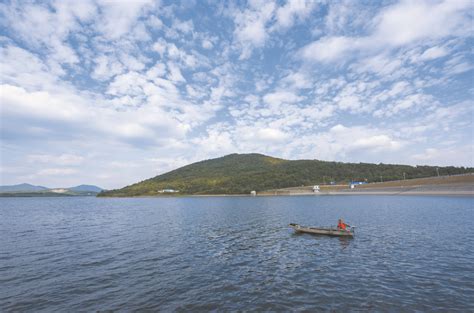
{"x":113,"y":92}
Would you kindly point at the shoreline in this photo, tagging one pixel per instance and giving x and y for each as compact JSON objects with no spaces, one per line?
{"x":453,"y":191}
{"x":320,"y":194}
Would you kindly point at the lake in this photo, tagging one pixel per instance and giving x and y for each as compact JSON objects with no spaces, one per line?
{"x":410,"y":253}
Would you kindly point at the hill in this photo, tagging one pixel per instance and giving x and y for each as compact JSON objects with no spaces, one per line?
{"x":242,"y":173}
{"x":85,"y":188}
{"x":22,"y":188}
{"x":27,"y":190}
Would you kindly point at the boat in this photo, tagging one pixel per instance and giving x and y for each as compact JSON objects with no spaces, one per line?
{"x":329,"y":231}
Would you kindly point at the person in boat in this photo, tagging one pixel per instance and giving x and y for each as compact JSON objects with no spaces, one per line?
{"x":341,"y":225}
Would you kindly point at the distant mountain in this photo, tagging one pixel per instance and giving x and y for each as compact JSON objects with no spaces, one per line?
{"x":22,"y":188}
{"x":242,"y":173}
{"x":85,"y":188}
{"x":27,"y":190}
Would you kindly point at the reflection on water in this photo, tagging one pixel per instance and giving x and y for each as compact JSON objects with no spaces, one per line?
{"x":235,"y":253}
{"x":344,"y":242}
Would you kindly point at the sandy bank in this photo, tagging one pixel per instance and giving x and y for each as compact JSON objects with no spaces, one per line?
{"x":459,"y":185}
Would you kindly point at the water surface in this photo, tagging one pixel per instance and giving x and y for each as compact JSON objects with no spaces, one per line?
{"x":236,"y":253}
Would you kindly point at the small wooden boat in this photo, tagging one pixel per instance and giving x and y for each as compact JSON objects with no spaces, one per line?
{"x":330,"y":231}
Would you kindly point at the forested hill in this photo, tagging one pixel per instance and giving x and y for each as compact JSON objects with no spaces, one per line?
{"x":242,"y":173}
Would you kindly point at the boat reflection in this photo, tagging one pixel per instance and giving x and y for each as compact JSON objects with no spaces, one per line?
{"x":345,"y":242}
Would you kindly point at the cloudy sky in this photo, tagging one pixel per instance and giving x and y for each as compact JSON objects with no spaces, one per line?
{"x":113,"y":92}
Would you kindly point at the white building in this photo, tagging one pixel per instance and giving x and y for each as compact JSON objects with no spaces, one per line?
{"x":168,"y":191}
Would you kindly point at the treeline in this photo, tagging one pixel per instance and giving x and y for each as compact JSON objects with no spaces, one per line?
{"x":242,"y":173}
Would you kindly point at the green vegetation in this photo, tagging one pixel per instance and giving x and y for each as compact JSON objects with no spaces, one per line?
{"x":242,"y":173}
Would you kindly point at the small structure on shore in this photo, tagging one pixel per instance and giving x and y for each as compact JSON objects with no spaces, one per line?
{"x":253,"y":193}
{"x":168,"y":191}
{"x":358,"y":182}
{"x":352,"y":184}
{"x":316,"y":188}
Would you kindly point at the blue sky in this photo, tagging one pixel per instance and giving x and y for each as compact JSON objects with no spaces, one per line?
{"x":113,"y":92}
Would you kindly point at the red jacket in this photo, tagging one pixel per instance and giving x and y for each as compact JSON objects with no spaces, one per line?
{"x":342,"y":225}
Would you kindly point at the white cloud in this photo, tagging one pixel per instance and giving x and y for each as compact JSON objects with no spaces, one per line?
{"x":188,"y":60}
{"x":455,"y":155}
{"x":106,"y":67}
{"x":318,"y":114}
{"x":410,"y":21}
{"x":397,"y":25}
{"x":281,"y":97}
{"x":271,"y":135}
{"x":20,"y":67}
{"x":57,"y":171}
{"x":154,"y":22}
{"x":183,"y":26}
{"x":118,"y":17}
{"x":377,"y":143}
{"x":254,"y":24}
{"x":63,"y":52}
{"x":398,"y":88}
{"x":160,"y":46}
{"x":457,"y":65}
{"x":383,"y":65}
{"x":74,"y":112}
{"x":364,"y":138}
{"x":62,"y":159}
{"x":354,"y":143}
{"x":433,"y":53}
{"x":127,"y":84}
{"x":131,"y":62}
{"x":17,"y":101}
{"x":292,"y":10}
{"x":298,"y":80}
{"x":156,"y":71}
{"x":175,"y":73}
{"x":250,"y":31}
{"x":330,"y":48}
{"x":207,"y":44}
{"x":218,"y":139}
{"x":49,"y":26}
{"x":223,"y":139}
{"x":165,"y":164}
{"x":413,"y":102}
{"x":348,"y":102}
{"x":345,"y":16}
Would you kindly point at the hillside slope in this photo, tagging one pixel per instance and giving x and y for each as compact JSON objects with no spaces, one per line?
{"x":241,"y":173}
{"x":22,"y":188}
{"x":85,"y":188}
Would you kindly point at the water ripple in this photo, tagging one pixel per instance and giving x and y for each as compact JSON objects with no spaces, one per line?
{"x":233,"y":254}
